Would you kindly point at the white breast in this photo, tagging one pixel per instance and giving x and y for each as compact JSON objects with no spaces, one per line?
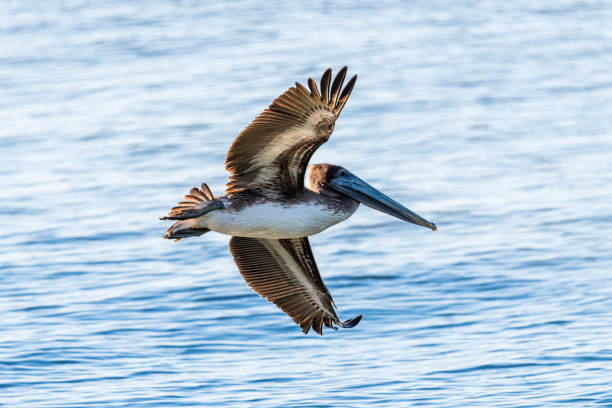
{"x":274,"y":221}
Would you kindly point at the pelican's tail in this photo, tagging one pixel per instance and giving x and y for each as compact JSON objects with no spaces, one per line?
{"x":197,"y":203}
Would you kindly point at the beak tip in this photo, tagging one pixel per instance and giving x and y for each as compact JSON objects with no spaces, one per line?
{"x":434,"y":227}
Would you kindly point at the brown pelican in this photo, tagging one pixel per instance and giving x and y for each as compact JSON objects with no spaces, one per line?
{"x":270,"y":213}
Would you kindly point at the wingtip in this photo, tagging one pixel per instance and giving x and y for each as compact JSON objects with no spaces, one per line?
{"x":340,"y":100}
{"x":350,"y":323}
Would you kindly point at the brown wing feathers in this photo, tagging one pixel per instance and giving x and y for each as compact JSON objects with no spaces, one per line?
{"x":255,"y":158}
{"x":284,"y":272}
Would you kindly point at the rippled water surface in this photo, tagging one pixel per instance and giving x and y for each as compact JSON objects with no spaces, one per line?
{"x":492,"y":119}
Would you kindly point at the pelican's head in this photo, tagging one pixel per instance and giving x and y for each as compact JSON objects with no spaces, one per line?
{"x":336,"y":181}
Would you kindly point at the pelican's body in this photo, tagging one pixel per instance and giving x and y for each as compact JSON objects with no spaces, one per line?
{"x":270,"y":213}
{"x":301,"y":217}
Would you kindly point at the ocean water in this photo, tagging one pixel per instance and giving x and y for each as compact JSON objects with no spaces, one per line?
{"x":492,"y":119}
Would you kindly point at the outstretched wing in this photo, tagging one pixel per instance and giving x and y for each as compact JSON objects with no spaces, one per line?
{"x":273,"y":151}
{"x":283,"y":271}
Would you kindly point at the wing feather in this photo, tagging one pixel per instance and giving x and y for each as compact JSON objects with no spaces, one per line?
{"x":337,"y":85}
{"x":346,"y":92}
{"x":273,"y":151}
{"x":313,"y":88}
{"x":325,"y":85}
{"x":284,"y":272}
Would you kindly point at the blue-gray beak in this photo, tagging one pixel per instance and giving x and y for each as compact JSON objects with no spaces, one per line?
{"x":359,"y":190}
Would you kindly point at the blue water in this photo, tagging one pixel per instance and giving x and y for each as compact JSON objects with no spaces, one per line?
{"x":492,"y":119}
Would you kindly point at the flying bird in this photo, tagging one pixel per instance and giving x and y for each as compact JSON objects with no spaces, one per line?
{"x":270,"y":213}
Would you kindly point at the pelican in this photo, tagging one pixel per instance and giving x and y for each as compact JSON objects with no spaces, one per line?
{"x":270,"y":213}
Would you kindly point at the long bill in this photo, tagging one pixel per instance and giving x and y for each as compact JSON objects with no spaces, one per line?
{"x":361,"y":191}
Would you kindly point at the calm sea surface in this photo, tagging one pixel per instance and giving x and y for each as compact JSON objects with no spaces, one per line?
{"x":492,"y":119}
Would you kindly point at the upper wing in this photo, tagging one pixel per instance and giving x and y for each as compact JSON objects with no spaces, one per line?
{"x":283,"y":271}
{"x":273,"y":151}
